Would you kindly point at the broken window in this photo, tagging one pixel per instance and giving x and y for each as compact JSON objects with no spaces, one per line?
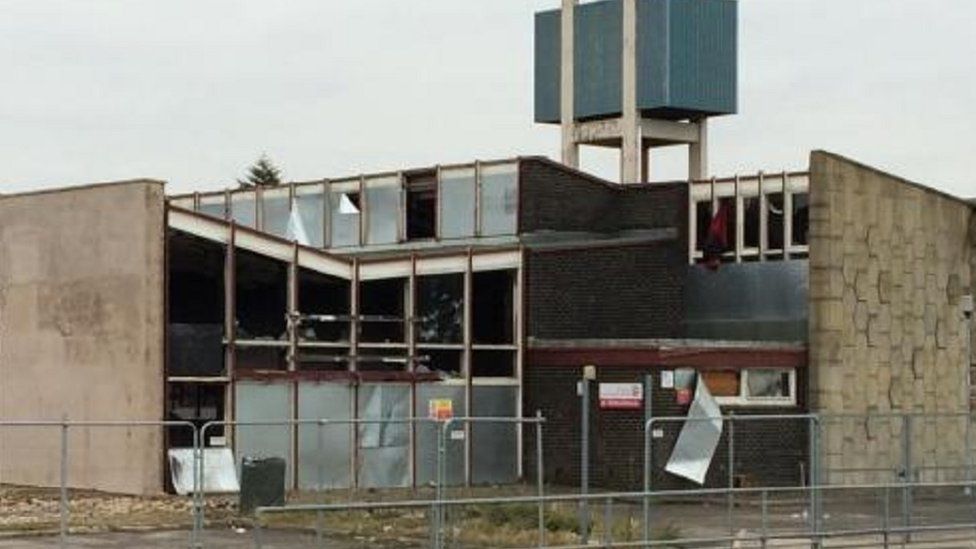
{"x":275,"y":211}
{"x":310,"y":213}
{"x":261,"y":357}
{"x":383,"y":210}
{"x":344,"y":213}
{"x":195,"y":306}
{"x":422,"y":205}
{"x":731,"y":213}
{"x":458,"y":188}
{"x":382,"y":308}
{"x":261,"y":297}
{"x":382,"y":359}
{"x":322,"y":358}
{"x":499,"y":199}
{"x":773,"y":384}
{"x":493,"y":307}
{"x":197,"y":403}
{"x":801,"y":218}
{"x":323,"y":302}
{"x":703,"y":220}
{"x":440,"y":308}
{"x":214,"y":205}
{"x":750,"y":222}
{"x":774,"y":221}
{"x":446,"y":362}
{"x":243,"y":208}
{"x":492,"y":363}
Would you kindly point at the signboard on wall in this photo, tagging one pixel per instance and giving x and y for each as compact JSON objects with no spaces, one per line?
{"x":621,"y":396}
{"x":440,"y":408}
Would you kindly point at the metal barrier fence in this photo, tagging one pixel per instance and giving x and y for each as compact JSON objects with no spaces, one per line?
{"x":36,"y":474}
{"x":871,"y":531}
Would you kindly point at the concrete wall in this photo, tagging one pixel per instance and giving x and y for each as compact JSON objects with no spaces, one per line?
{"x":81,"y":333}
{"x":889,"y":262}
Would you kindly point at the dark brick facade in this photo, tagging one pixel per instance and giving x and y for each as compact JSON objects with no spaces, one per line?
{"x":554,"y":197}
{"x":766,"y":452}
{"x":614,"y":292}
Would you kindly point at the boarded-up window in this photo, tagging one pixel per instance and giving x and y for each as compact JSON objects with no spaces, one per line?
{"x":722,"y":383}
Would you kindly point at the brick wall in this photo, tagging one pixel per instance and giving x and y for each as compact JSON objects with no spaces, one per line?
{"x":766,"y":452}
{"x":614,"y":292}
{"x":889,"y":261}
{"x":557,"y":198}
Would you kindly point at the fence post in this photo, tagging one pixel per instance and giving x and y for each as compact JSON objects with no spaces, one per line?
{"x":885,"y":517}
{"x":815,"y":480}
{"x":646,"y":502}
{"x":763,"y":517}
{"x":907,"y":474}
{"x":64,"y":482}
{"x":320,"y":473}
{"x":608,"y":522}
{"x":197,"y":489}
{"x":730,"y":496}
{"x":589,"y":374}
{"x":539,"y":472}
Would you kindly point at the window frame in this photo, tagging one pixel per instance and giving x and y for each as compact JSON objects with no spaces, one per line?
{"x":744,"y":399}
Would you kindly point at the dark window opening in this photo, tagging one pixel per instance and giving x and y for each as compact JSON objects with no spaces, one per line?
{"x":493,"y":363}
{"x":196,"y":306}
{"x":323,"y":358}
{"x":440,"y":308}
{"x":703,"y":220}
{"x":731,"y":213}
{"x":197,"y":403}
{"x":261,"y":358}
{"x":382,"y":360}
{"x":493,"y":298}
{"x":750,"y":222}
{"x":774,"y":221}
{"x":381,"y":305}
{"x":801,"y":219}
{"x":323,"y":301}
{"x":349,"y":203}
{"x":422,"y":205}
{"x":262,"y":297}
{"x":446,"y":362}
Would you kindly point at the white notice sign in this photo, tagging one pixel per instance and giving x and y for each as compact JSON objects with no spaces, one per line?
{"x":621,"y":396}
{"x":667,"y":379}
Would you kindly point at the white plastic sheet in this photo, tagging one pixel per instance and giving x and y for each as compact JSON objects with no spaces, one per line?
{"x":219,"y":474}
{"x":693,"y":452}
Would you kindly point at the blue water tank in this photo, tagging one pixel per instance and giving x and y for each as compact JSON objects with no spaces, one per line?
{"x":686,"y":59}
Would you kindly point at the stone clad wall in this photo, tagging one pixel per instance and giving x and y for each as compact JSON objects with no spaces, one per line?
{"x":889,"y":263}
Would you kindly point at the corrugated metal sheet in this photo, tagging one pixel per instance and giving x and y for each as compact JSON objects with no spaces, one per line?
{"x":332,"y":468}
{"x":748,"y":301}
{"x":494,"y":445}
{"x":263,"y":402}
{"x":686,"y":59}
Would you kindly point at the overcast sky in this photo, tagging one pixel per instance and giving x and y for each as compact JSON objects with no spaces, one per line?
{"x":192,"y":92}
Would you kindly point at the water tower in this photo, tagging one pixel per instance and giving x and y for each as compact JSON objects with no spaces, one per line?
{"x":635,"y":75}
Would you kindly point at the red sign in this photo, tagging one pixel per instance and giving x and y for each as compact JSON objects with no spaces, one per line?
{"x":621,"y":396}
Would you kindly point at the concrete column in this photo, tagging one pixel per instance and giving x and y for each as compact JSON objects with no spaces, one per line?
{"x":630,"y":150}
{"x":698,"y":152}
{"x":570,"y":149}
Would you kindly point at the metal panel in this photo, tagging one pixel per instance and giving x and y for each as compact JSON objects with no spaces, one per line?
{"x":263,"y":402}
{"x":458,"y":188}
{"x":499,"y":199}
{"x":427,"y":433}
{"x":598,"y":56}
{"x":748,"y":301}
{"x":310,"y":202}
{"x":384,"y":451}
{"x":243,"y":209}
{"x":383,"y":197}
{"x":275,"y":209}
{"x":547,"y":72}
{"x":494,"y":447}
{"x":702,"y":54}
{"x":332,"y":468}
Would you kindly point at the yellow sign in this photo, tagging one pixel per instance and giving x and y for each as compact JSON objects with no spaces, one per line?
{"x":440,"y":408}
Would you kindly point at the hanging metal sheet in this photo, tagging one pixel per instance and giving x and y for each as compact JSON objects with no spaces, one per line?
{"x":384,"y":451}
{"x":219,"y":474}
{"x":692,"y":453}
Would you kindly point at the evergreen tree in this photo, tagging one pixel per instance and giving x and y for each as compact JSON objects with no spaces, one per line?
{"x":262,"y":173}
